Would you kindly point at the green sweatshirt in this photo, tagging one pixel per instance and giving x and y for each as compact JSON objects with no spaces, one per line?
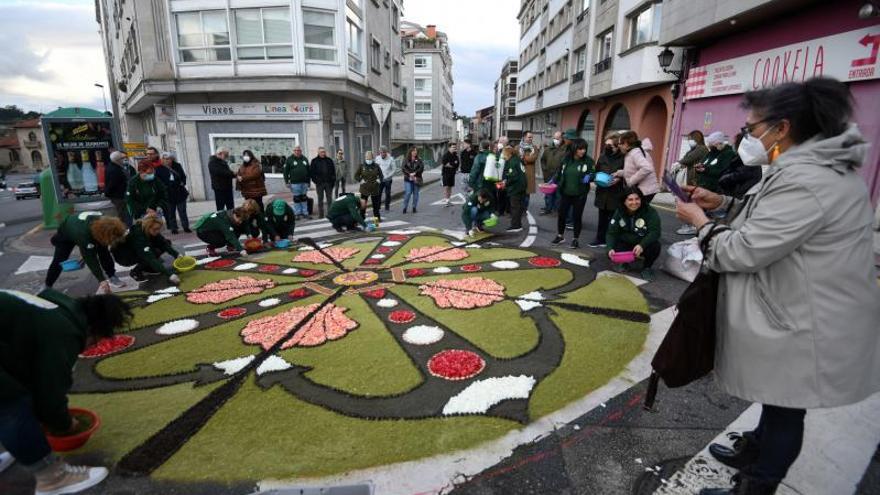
{"x":472,"y":201}
{"x":570,"y":178}
{"x":138,"y":247}
{"x":279,"y":223}
{"x":642,"y":227}
{"x":347,"y":204}
{"x":220,"y":221}
{"x":296,"y":170}
{"x":40,"y":340}
{"x":475,"y":180}
{"x":716,"y":163}
{"x":142,"y":194}
{"x":514,"y":175}
{"x":76,"y":228}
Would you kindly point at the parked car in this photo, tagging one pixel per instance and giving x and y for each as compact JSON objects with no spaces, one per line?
{"x":26,"y":190}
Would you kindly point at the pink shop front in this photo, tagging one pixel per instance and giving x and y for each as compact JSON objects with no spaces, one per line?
{"x":825,"y":40}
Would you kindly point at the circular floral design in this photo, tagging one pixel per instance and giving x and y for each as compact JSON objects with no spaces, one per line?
{"x":356,"y":278}
{"x":372,"y":261}
{"x":414,"y":272}
{"x":298,"y":293}
{"x":221,"y":263}
{"x":471,"y":268}
{"x":402,"y":316}
{"x":387,"y":303}
{"x":456,"y":364}
{"x":307,"y":273}
{"x":384,"y":249}
{"x":268,"y":303}
{"x":110,"y":345}
{"x":375,"y":293}
{"x":505,"y":265}
{"x":544,"y":261}
{"x":178,"y":326}
{"x":230,"y":313}
{"x":397,"y":238}
{"x":268,"y":268}
{"x":423,"y":335}
{"x":442,"y":270}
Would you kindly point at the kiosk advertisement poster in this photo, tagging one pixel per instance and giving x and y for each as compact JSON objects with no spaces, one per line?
{"x":80,"y":151}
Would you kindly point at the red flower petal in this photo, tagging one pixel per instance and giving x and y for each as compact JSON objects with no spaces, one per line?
{"x":402,"y":316}
{"x":375,"y":293}
{"x":398,"y":237}
{"x":268,"y":268}
{"x":230,"y":313}
{"x":107,"y":346}
{"x":384,"y":249}
{"x":471,"y":268}
{"x":222,"y":263}
{"x":372,"y":261}
{"x":307,"y":273}
{"x":298,"y":293}
{"x":544,"y":261}
{"x":456,"y":364}
{"x":415,"y":272}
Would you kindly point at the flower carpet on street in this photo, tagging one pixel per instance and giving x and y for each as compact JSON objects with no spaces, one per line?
{"x":373,"y":350}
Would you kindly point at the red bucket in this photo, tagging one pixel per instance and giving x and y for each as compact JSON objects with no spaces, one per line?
{"x":77,"y":440}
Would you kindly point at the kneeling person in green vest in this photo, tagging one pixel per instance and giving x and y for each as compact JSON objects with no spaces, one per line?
{"x":93,"y":234}
{"x":345,"y":212}
{"x":40,"y":340}
{"x":279,"y":220}
{"x":222,"y":228}
{"x":477,"y":210}
{"x":635,"y":227}
{"x":142,"y":248}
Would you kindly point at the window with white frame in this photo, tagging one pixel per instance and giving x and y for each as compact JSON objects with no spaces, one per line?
{"x":376,"y":55}
{"x":604,"y":45}
{"x":263,"y":34}
{"x":203,"y":36}
{"x":421,"y":84}
{"x":319,"y":32}
{"x":423,"y":129}
{"x":644,"y":25}
{"x":423,"y":108}
{"x":354,"y":37}
{"x":422,"y":62}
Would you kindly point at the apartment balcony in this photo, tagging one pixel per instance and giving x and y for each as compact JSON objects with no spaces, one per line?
{"x":35,"y":143}
{"x":577,"y":77}
{"x":602,"y":66}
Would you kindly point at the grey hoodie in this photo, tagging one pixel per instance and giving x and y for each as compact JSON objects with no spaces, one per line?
{"x":798,"y":303}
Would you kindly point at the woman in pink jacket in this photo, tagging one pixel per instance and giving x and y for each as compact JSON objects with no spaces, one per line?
{"x":638,"y":167}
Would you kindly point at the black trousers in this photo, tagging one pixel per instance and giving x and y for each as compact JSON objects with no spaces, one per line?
{"x":605,"y":217}
{"x":63,"y":247}
{"x":780,"y":435}
{"x":343,"y":221}
{"x":213,"y":238}
{"x":377,"y":205}
{"x":649,"y":198}
{"x":650,"y":253}
{"x":501,"y":205}
{"x":223,"y":199}
{"x":576,"y":204}
{"x":517,"y":209}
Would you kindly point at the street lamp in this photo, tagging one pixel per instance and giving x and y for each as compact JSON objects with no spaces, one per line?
{"x":103,"y":95}
{"x":665,"y":59}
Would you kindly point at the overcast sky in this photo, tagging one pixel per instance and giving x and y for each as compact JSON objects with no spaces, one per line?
{"x":52,"y":53}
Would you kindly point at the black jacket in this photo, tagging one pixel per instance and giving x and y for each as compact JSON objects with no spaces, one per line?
{"x":449,"y":162}
{"x":322,"y":171}
{"x":221,"y":175}
{"x":115,"y":181}
{"x":467,"y":160}
{"x":738,"y":178}
{"x":177,"y":192}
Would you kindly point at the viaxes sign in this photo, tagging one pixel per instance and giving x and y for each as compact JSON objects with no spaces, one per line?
{"x":248,"y":111}
{"x":849,"y":56}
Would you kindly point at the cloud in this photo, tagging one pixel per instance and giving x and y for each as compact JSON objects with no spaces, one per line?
{"x":52,"y":55}
{"x":482,"y":35}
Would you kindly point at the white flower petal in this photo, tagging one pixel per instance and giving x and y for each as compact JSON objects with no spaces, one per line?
{"x":378,"y":256}
{"x":574,"y":259}
{"x":423,"y":335}
{"x":158,"y":297}
{"x":442,"y":269}
{"x":169,"y":290}
{"x":473,"y":246}
{"x":387,"y":303}
{"x":245,"y":266}
{"x":457,"y":243}
{"x":290,"y":271}
{"x":268,"y":303}
{"x":405,"y":232}
{"x":273,"y":363}
{"x":306,"y":248}
{"x":505,"y":265}
{"x":481,"y":395}
{"x":205,"y":261}
{"x":391,"y":243}
{"x":177,"y":326}
{"x":233,"y":366}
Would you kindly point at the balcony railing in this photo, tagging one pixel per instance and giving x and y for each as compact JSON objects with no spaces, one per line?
{"x":31,"y":143}
{"x":602,"y":66}
{"x":577,"y":76}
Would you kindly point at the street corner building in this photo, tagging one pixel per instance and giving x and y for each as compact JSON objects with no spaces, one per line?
{"x":263,"y":75}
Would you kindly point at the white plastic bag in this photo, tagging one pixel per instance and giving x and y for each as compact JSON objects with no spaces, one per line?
{"x":684,"y":259}
{"x":491,"y":171}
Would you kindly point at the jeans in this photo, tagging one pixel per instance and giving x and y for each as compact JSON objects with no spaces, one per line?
{"x":63,"y":247}
{"x":20,"y":432}
{"x":605,"y":217}
{"x":517,"y":209}
{"x":410,"y":189}
{"x":325,"y":193}
{"x":339,"y":187}
{"x":477,"y":218}
{"x":550,"y":202}
{"x":223,"y":199}
{"x":571,"y":207}
{"x":300,"y":193}
{"x":650,"y":253}
{"x":385,"y":190}
{"x":175,"y":210}
{"x":780,"y":435}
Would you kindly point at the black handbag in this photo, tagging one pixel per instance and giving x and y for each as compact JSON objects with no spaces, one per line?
{"x":687,"y":352}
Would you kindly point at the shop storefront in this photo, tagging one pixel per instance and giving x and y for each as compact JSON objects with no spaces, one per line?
{"x":826,"y":40}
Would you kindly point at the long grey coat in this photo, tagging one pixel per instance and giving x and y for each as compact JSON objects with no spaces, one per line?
{"x":799,"y":304}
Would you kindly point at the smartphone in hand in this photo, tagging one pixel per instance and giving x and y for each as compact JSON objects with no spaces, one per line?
{"x":675,"y":189}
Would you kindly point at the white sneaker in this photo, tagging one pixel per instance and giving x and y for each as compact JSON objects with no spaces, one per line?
{"x":64,"y":479}
{"x":116,"y":282}
{"x":686,"y":230}
{"x":6,"y":460}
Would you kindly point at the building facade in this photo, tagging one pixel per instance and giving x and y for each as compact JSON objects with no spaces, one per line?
{"x":483,"y":124}
{"x":592,"y":65}
{"x":23,"y":149}
{"x":758,"y":44}
{"x":427,"y":121}
{"x":506,"y":123}
{"x":192,"y":76}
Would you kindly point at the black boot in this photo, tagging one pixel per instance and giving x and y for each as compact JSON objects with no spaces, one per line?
{"x":744,"y":451}
{"x":744,"y":484}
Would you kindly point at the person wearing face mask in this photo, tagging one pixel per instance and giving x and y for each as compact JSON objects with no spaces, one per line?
{"x":715,"y":163}
{"x":143,"y":248}
{"x":221,"y":179}
{"x":607,"y":198}
{"x":695,"y":154}
{"x":638,"y":169}
{"x":370,"y":176}
{"x":251,"y":179}
{"x":574,"y":185}
{"x":116,"y":177}
{"x":551,"y":160}
{"x":797,"y":308}
{"x":145,"y":194}
{"x":172,"y":175}
{"x":738,"y":178}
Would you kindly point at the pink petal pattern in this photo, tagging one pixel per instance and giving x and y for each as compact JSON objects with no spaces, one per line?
{"x":337,"y":253}
{"x":227,"y":290}
{"x":430,"y":254}
{"x":464,"y":293}
{"x":329,"y":323}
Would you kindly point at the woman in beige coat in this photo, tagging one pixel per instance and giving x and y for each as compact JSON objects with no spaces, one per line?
{"x":798,"y":304}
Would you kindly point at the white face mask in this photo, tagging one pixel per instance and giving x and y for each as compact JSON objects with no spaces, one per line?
{"x":246,"y":159}
{"x":369,"y":162}
{"x":751,"y":150}
{"x":500,"y":146}
{"x":692,"y":143}
{"x":556,"y":142}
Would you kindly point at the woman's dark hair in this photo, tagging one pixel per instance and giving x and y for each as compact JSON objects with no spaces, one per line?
{"x":631,"y":139}
{"x":482,"y":193}
{"x":409,"y":153}
{"x":697,"y":136}
{"x":627,"y":192}
{"x":105,"y":313}
{"x":738,"y":139}
{"x":820,"y":106}
{"x":250,"y":154}
{"x":576,"y":144}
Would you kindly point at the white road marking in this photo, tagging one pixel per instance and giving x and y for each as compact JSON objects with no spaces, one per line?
{"x":533,"y":231}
